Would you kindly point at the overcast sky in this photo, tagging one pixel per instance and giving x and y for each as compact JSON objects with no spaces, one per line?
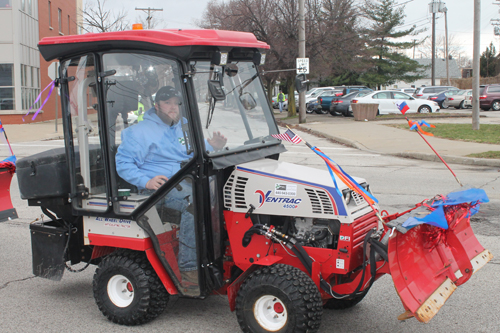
{"x":182,"y":13}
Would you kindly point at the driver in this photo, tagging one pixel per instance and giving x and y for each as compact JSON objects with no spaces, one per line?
{"x":151,"y":153}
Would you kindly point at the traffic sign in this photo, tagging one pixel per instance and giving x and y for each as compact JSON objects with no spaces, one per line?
{"x":302,"y":65}
{"x":52,"y":71}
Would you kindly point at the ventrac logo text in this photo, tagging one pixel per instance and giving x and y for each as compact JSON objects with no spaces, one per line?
{"x":288,"y":202}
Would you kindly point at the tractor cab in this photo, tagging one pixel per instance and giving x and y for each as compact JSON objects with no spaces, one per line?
{"x":218,"y":90}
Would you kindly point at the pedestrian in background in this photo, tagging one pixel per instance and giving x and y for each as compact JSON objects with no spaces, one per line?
{"x":281,"y":100}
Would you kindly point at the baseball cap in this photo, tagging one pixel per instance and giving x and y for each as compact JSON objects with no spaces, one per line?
{"x":166,"y":93}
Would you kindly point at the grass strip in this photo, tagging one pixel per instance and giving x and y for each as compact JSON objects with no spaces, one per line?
{"x":488,"y":133}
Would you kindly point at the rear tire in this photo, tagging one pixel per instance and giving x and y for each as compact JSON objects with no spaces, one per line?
{"x":127,"y":289}
{"x":321,"y":111}
{"x":461,"y":106}
{"x":495,"y":106}
{"x":279,"y":298}
{"x":424,"y":109}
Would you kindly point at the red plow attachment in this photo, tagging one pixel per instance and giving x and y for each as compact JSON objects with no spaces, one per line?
{"x":427,"y":263}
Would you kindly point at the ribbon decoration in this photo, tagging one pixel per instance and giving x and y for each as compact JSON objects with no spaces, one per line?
{"x":417,"y":126}
{"x":51,"y":85}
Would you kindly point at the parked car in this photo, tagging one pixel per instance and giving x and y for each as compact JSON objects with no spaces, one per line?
{"x":386,"y":100}
{"x":325,"y":99}
{"x":425,"y":92}
{"x":409,"y":91}
{"x":489,"y":97}
{"x":342,"y":105}
{"x":350,"y":89}
{"x":459,"y":100}
{"x":441,"y":97}
{"x":317,"y":92}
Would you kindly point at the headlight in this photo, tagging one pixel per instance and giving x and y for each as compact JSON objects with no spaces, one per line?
{"x":347,"y":196}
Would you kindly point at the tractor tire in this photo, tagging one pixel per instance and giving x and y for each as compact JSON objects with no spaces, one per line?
{"x":341,"y":304}
{"x":127,"y":289}
{"x":279,"y":298}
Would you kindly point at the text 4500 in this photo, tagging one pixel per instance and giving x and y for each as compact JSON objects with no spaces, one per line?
{"x":291,"y":206}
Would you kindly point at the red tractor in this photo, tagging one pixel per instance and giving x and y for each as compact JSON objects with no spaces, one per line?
{"x":283,"y":241}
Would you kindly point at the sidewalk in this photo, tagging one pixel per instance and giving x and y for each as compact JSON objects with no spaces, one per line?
{"x":372,"y":136}
{"x":375,"y":136}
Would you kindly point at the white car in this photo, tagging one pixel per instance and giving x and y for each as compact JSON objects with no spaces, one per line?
{"x":387,"y":99}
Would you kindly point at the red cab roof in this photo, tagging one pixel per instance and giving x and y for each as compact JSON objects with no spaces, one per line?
{"x":168,"y":37}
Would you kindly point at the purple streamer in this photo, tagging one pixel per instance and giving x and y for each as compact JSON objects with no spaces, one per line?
{"x":51,"y":85}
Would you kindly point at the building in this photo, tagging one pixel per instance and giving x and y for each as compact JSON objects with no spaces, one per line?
{"x":23,"y":72}
{"x":439,"y":73}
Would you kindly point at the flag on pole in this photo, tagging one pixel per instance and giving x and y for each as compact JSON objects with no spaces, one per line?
{"x":288,"y":136}
{"x":402,"y":106}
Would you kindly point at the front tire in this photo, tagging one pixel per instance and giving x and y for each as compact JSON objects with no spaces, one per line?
{"x":127,"y":289}
{"x":424,"y":109}
{"x":495,"y":106}
{"x":279,"y":298}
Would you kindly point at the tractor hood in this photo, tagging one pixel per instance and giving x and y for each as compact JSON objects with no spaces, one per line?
{"x":280,"y":188}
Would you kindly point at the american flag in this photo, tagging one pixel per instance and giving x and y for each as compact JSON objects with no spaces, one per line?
{"x":288,"y":136}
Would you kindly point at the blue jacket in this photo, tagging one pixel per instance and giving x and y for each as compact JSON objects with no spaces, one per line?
{"x":151,"y":148}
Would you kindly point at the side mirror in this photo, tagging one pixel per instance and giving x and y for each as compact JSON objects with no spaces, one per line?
{"x":300,"y":83}
{"x":248,"y":101}
{"x":215,"y":88}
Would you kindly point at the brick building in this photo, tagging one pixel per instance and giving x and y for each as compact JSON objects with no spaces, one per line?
{"x":23,"y":72}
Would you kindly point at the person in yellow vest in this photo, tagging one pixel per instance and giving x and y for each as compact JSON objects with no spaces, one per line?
{"x":281,"y":100}
{"x":139,"y":112}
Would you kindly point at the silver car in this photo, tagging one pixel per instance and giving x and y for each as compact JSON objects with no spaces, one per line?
{"x":459,"y":100}
{"x":425,"y":92}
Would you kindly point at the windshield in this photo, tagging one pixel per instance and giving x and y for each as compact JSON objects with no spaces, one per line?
{"x":243,"y":116}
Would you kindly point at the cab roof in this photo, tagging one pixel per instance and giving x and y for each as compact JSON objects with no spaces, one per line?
{"x":61,"y":46}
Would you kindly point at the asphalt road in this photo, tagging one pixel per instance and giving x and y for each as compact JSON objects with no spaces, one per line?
{"x":28,"y":303}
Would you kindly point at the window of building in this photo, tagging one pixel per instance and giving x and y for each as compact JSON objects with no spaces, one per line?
{"x":59,"y":16}
{"x":23,"y":8}
{"x":7,"y":101}
{"x":50,"y":14}
{"x":30,"y":87}
{"x":5,"y":4}
{"x":30,"y":6}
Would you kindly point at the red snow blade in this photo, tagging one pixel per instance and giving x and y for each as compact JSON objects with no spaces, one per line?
{"x":427,"y":264}
{"x":7,"y":211}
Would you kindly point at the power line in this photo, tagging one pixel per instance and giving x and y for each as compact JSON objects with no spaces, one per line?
{"x":149,"y":10}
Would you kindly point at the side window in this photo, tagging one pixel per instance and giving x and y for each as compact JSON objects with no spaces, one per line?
{"x":439,"y":90}
{"x":494,"y":89}
{"x":382,"y":95}
{"x":398,"y":95}
{"x":83,"y":104}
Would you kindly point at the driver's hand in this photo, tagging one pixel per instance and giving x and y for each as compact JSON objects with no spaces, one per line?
{"x":218,"y":141}
{"x":156,"y":182}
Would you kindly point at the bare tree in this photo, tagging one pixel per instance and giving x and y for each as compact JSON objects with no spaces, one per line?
{"x":154,"y":23}
{"x":97,"y":18}
{"x":454,"y":48}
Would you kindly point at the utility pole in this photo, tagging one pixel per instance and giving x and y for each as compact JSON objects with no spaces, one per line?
{"x":148,"y":11}
{"x":302,"y":54}
{"x":475,"y":66}
{"x":446,"y":46}
{"x":414,"y":41}
{"x":433,"y":61}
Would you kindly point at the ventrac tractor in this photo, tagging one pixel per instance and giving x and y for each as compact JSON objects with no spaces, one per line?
{"x":282,"y":241}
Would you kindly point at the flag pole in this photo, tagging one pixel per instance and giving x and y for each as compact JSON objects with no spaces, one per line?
{"x":345,"y":180}
{"x":442,"y":160}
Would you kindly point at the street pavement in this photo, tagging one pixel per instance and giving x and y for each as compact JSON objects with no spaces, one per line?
{"x":372,"y":136}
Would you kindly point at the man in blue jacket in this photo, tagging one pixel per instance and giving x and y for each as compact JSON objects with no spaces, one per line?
{"x":151,"y":153}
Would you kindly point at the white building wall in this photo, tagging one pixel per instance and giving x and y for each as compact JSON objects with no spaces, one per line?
{"x":18,"y":43}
